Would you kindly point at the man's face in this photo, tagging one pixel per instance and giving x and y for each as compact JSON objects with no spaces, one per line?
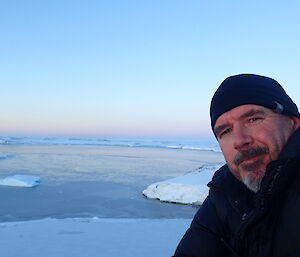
{"x":251,"y":136}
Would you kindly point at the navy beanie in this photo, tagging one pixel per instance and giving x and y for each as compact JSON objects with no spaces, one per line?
{"x":250,"y":89}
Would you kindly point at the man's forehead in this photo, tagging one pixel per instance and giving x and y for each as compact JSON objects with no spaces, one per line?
{"x":241,"y":111}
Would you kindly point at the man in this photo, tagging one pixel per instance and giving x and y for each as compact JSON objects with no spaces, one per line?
{"x":253,"y":206}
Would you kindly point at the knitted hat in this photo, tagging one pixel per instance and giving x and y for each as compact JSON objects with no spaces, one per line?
{"x":250,"y":89}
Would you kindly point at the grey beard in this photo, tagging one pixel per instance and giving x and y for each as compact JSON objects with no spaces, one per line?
{"x":252,"y":184}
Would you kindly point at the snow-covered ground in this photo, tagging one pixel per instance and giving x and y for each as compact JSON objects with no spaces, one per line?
{"x":187,"y":189}
{"x":92,"y":237}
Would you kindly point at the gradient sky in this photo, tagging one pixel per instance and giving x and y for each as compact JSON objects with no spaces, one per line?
{"x":136,"y":68}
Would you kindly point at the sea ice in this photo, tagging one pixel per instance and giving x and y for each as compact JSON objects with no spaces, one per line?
{"x":20,"y":180}
{"x":187,"y":189}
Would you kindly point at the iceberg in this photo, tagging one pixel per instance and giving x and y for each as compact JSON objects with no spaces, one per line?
{"x":20,"y":180}
{"x":190,"y":188}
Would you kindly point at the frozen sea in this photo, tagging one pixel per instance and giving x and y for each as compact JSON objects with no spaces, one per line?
{"x":91,"y":193}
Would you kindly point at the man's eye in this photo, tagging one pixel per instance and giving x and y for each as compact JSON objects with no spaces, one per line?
{"x":224,"y":132}
{"x":254,"y":119}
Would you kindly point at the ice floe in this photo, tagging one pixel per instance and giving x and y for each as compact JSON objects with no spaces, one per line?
{"x":187,"y":189}
{"x":20,"y":180}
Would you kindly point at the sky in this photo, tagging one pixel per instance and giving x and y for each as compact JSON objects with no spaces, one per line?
{"x":136,"y":67}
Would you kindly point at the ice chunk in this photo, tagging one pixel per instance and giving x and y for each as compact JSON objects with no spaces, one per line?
{"x":187,"y":189}
{"x":5,"y":156}
{"x":177,"y":193}
{"x":20,"y":180}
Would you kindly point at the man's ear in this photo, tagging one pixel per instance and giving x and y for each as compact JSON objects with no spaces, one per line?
{"x":296,"y":122}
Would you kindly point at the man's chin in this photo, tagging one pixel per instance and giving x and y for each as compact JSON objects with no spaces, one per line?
{"x":253,"y":179}
{"x":251,"y":174}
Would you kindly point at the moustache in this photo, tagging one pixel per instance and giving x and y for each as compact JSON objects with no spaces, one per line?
{"x":249,"y":153}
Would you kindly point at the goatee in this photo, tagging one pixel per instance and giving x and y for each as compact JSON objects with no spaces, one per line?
{"x":251,"y":179}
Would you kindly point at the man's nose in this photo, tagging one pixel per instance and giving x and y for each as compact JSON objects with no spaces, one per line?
{"x":242,"y":138}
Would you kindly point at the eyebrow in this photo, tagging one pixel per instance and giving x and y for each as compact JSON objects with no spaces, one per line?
{"x":253,"y":112}
{"x":247,"y":114}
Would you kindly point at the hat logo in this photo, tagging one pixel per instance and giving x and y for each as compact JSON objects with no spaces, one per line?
{"x":279,"y":107}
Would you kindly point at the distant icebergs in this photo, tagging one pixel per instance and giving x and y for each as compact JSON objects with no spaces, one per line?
{"x":187,"y":189}
{"x":199,"y":144}
{"x":20,"y":181}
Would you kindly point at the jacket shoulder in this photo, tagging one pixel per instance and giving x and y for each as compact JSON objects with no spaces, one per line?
{"x":203,"y":238}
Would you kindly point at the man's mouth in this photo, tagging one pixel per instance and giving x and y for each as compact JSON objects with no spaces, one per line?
{"x":251,"y":159}
{"x":250,"y":155}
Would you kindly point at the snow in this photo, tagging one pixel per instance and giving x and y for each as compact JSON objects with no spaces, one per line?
{"x":93,"y":237}
{"x":187,"y":189}
{"x":20,"y":180}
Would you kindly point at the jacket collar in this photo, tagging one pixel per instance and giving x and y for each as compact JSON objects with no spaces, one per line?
{"x":292,"y":147}
{"x":281,"y":172}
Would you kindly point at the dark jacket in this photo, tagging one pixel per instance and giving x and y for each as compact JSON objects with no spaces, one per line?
{"x":233,"y":221}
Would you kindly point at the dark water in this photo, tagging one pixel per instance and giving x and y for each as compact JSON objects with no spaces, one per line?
{"x":84,"y":199}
